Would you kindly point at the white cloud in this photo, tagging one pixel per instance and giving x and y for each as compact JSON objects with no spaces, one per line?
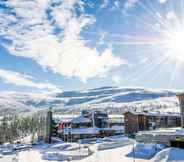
{"x":173,"y":21}
{"x":130,"y":3}
{"x":117,"y":3}
{"x":116,"y":79}
{"x":171,"y":15}
{"x":127,"y":6}
{"x":18,"y":79}
{"x":162,"y":1}
{"x":102,"y":35}
{"x":104,"y":4}
{"x":65,"y":53}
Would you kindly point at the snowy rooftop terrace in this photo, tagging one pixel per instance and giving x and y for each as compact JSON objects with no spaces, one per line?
{"x":162,"y":131}
{"x":155,"y":113}
{"x":161,"y":136}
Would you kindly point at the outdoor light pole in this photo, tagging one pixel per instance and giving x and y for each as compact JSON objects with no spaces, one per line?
{"x":133,"y":153}
{"x":93,"y":118}
{"x":48,"y":126}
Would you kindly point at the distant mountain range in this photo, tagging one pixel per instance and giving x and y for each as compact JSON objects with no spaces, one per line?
{"x":113,"y":99}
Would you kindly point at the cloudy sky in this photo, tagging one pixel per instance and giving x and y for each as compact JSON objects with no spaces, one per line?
{"x":46,"y":45}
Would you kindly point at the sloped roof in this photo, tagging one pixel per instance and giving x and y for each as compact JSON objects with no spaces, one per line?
{"x":180,"y":94}
{"x":154,"y":113}
{"x":80,"y":119}
{"x":90,"y":130}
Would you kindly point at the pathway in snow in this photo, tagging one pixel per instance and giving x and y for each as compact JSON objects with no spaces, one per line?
{"x":6,"y":158}
{"x":31,"y":156}
{"x":113,"y":155}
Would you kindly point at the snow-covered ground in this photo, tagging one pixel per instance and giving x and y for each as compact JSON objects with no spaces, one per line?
{"x":169,"y":155}
{"x":6,"y":158}
{"x":109,"y":149}
{"x":118,"y":154}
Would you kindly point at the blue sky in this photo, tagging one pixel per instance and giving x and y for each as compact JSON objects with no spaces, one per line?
{"x":48,"y":45}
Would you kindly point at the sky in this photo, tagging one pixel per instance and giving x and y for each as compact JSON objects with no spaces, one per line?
{"x":54,"y":45}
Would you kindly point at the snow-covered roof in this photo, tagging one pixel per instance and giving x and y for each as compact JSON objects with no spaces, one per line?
{"x":162,"y":114}
{"x":180,"y":94}
{"x":64,"y":120}
{"x":118,"y":128}
{"x":90,"y":130}
{"x":154,"y":113}
{"x":80,"y":119}
{"x":162,"y":131}
{"x":180,"y":131}
{"x":116,"y":116}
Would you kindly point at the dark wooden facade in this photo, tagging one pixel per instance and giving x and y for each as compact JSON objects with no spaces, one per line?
{"x":181,"y":102}
{"x":138,"y":121}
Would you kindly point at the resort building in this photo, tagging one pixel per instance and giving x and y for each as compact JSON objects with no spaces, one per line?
{"x":173,"y":137}
{"x":89,"y":124}
{"x":181,"y":102}
{"x":140,"y":121}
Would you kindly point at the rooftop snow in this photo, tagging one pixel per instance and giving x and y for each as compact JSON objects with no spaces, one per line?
{"x":81,"y":130}
{"x":80,"y":119}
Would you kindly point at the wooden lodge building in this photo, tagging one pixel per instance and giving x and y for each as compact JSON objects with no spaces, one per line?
{"x":173,"y":137}
{"x":140,"y":121}
{"x":90,"y":124}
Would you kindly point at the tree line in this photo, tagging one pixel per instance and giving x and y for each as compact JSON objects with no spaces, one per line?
{"x":16,"y":127}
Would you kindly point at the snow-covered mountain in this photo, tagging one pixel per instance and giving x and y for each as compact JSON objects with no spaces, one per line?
{"x":114,"y":99}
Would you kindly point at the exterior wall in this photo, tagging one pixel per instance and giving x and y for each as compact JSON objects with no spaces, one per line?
{"x":131,"y":123}
{"x":80,"y":125}
{"x":161,"y":121}
{"x":158,"y":122}
{"x":159,"y":138}
{"x":164,"y":121}
{"x":151,"y":122}
{"x":100,"y":118}
{"x":140,"y":122}
{"x":174,"y":121}
{"x":181,"y":101}
{"x":178,"y":121}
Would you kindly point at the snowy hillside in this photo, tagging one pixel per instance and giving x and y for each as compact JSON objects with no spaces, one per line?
{"x":113,"y":99}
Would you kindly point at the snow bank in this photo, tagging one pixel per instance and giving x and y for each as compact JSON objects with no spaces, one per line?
{"x":118,"y":138}
{"x":145,"y":151}
{"x":90,"y":130}
{"x":80,"y":119}
{"x":30,"y":156}
{"x":76,"y":153}
{"x":60,"y":146}
{"x":114,"y":142}
{"x":169,"y":155}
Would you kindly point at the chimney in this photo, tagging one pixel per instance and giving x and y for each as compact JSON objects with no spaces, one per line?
{"x":181,"y":103}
